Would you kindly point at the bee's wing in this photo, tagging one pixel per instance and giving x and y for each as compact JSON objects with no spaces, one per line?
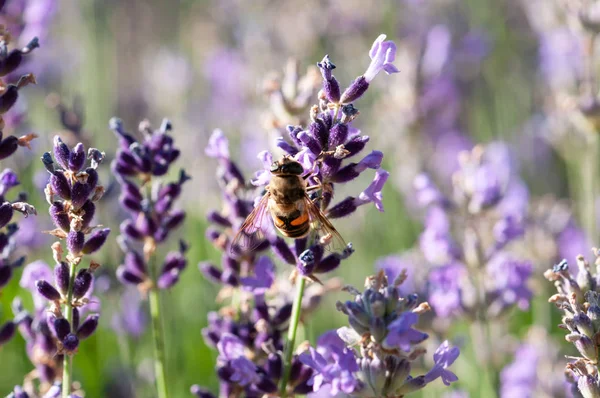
{"x":251,"y":232}
{"x":327,"y":233}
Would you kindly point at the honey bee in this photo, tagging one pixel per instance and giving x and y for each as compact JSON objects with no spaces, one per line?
{"x":293,"y":212}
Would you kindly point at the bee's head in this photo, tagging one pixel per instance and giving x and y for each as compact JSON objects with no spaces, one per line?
{"x":288,"y":166}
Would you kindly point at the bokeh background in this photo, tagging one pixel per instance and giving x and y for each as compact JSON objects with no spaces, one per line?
{"x":471,"y":71}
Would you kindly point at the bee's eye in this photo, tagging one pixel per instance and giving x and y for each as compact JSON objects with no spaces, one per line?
{"x":274,"y":166}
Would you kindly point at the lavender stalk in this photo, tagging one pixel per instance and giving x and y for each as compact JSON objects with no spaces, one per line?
{"x":291,"y":336}
{"x":72,"y":192}
{"x":138,"y":165}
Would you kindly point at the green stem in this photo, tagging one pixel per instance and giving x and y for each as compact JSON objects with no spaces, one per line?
{"x":67,"y":379}
{"x":159,"y":342}
{"x":291,"y":337}
{"x":588,"y":186}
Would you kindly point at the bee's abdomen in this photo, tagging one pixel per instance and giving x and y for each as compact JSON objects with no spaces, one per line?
{"x":295,"y":226}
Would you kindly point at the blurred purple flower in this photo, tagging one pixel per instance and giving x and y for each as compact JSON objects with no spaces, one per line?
{"x":131,"y":318}
{"x":334,"y":363}
{"x":232,"y":350}
{"x":218,"y":145}
{"x":520,"y":377}
{"x":509,"y":277}
{"x":264,"y":275}
{"x":445,"y":290}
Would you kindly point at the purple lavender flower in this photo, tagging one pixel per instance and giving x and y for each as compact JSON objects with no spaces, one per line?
{"x":231,"y":351}
{"x":153,"y":216}
{"x":579,"y":300}
{"x":380,"y":321}
{"x":445,"y":291}
{"x":382,"y":55}
{"x":444,"y":356}
{"x":334,"y":365}
{"x":402,"y":335}
{"x":509,"y":277}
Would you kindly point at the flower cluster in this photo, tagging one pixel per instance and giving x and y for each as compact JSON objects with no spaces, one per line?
{"x":579,"y":299}
{"x":72,"y":192}
{"x":467,"y":237}
{"x":248,"y":333}
{"x":9,"y":62}
{"x":537,"y":369}
{"x":137,"y":165}
{"x":373,"y":356}
{"x":44,"y":348}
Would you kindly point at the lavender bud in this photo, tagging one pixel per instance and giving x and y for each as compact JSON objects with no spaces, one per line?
{"x":174,"y":260}
{"x":174,"y":220}
{"x":7,"y":331}
{"x":75,"y":321}
{"x":48,"y":162}
{"x":130,"y":231}
{"x":274,"y":366}
{"x":5,"y":274}
{"x":96,"y":241}
{"x":593,"y":313}
{"x":135,"y":263}
{"x":211,"y":272}
{"x":356,"y":89}
{"x":128,"y":277}
{"x":310,"y":142}
{"x":265,"y":384}
{"x":75,"y":241}
{"x":216,"y":218}
{"x":7,"y":100}
{"x":588,"y":386}
{"x":92,"y":178}
{"x":320,"y":132}
{"x":59,"y":216}
{"x":77,"y":158}
{"x":6,"y":213}
{"x":88,"y":209}
{"x":168,"y":279}
{"x":378,"y":329}
{"x":286,"y":147}
{"x":10,"y":144}
{"x":61,"y":277}
{"x":328,"y":264}
{"x":201,"y":392}
{"x":82,"y":283}
{"x":60,"y":185}
{"x":343,"y":208}
{"x":80,"y":194}
{"x":230,"y":278}
{"x":70,"y":342}
{"x":283,"y":250}
{"x":584,"y":324}
{"x":47,"y":290}
{"x":146,"y":225}
{"x":349,"y":113}
{"x":131,"y":203}
{"x":356,"y":144}
{"x":61,"y":328}
{"x":61,"y":152}
{"x":338,"y":135}
{"x":331,"y":87}
{"x":87,"y":327}
{"x":282,"y":315}
{"x":296,"y":368}
{"x":586,"y":347}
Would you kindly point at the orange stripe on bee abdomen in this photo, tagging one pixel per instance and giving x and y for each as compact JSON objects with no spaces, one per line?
{"x":300,"y":220}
